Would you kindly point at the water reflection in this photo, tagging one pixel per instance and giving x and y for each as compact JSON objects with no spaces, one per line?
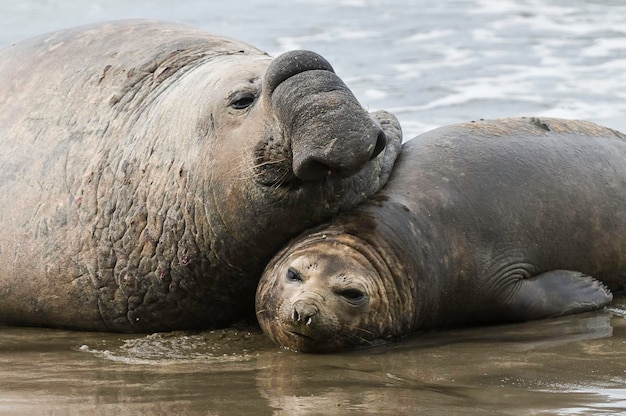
{"x":569,"y":365}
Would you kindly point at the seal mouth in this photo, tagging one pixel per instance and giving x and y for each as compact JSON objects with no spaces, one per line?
{"x":301,"y":335}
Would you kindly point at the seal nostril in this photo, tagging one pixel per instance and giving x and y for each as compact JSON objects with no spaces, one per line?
{"x":381,"y":142}
{"x":303,"y":312}
{"x":311,"y":170}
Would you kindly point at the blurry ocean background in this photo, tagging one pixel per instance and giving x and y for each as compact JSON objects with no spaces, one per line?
{"x":432,"y":63}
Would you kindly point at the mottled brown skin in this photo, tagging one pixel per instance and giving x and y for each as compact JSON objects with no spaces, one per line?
{"x":148,"y":172}
{"x":487,"y":222}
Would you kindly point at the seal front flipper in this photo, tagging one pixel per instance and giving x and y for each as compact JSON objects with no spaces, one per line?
{"x":557,"y":293}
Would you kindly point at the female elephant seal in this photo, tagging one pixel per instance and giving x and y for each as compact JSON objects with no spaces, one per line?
{"x":148,"y":172}
{"x":486,"y":222}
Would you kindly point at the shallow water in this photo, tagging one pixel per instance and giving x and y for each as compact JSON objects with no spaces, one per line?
{"x":567,"y":366}
{"x":432,"y":63}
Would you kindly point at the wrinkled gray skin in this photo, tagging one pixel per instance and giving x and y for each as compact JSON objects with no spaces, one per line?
{"x":148,"y":172}
{"x":486,"y":222}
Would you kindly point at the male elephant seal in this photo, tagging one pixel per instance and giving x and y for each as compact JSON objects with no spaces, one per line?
{"x":487,"y":222}
{"x":148,"y":172}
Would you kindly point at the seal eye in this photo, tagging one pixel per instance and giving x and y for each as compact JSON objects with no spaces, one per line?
{"x":293,"y":276}
{"x":242,"y":100}
{"x":352,"y":295}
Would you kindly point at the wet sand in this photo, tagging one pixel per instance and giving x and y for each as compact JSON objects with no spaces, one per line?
{"x":570,"y":365}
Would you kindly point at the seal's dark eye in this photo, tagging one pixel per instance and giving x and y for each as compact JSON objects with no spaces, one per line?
{"x":242,"y":100}
{"x":352,"y":295}
{"x":293,"y":276}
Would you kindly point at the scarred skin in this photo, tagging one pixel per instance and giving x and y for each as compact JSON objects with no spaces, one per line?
{"x":487,"y":222}
{"x":148,"y":172}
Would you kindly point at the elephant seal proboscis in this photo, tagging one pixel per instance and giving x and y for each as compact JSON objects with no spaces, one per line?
{"x":487,"y":222}
{"x":149,"y":171}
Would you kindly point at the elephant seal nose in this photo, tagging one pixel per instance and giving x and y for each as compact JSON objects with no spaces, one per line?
{"x":328,"y":130}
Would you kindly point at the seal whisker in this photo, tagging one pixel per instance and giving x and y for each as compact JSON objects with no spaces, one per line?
{"x":364,"y":330}
{"x":349,"y":334}
{"x":246,"y":172}
{"x":280,"y":182}
{"x":270,"y":162}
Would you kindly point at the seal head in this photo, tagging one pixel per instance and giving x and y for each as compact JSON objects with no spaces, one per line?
{"x":325,"y":293}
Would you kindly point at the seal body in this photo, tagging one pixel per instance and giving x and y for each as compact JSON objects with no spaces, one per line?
{"x":486,"y":222}
{"x":148,"y":172}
